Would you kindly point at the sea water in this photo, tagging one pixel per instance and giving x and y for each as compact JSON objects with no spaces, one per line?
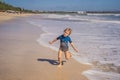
{"x":97,"y":38}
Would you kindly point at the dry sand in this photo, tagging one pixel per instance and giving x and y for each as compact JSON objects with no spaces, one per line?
{"x":4,"y":16}
{"x":22,"y":58}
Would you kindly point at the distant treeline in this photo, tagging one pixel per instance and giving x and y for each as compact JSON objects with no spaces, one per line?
{"x":4,"y":6}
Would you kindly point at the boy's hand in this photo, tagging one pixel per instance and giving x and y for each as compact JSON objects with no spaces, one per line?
{"x":74,"y":47}
{"x":76,"y":50}
{"x":50,"y":42}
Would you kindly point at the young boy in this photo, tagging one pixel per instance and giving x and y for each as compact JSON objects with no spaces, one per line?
{"x":64,"y":39}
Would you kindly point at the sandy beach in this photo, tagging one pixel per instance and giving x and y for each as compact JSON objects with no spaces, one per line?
{"x":4,"y":16}
{"x":22,"y":58}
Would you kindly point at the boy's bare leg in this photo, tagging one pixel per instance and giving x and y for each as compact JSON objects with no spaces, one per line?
{"x":60,"y":58}
{"x":68,"y":55}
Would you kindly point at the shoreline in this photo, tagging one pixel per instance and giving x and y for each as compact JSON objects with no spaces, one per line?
{"x":23,"y":58}
{"x":4,"y":16}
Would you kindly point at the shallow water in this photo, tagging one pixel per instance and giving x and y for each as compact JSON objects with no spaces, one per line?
{"x":96,"y":37}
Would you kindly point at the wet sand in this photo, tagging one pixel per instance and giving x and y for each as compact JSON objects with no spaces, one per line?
{"x":22,"y":58}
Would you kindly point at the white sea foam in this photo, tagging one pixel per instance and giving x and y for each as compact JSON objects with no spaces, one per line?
{"x":58,"y":16}
{"x":83,"y":18}
{"x":109,"y":14}
{"x":98,"y":75}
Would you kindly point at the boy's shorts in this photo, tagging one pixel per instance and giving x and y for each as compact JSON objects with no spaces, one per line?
{"x":63,"y":47}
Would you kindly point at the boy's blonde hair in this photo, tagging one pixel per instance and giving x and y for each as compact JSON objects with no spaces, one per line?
{"x":68,"y":29}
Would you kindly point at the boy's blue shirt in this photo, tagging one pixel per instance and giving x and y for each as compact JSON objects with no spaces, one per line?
{"x":64,"y":39}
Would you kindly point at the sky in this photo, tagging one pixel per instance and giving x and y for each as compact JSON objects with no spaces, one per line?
{"x":67,"y":5}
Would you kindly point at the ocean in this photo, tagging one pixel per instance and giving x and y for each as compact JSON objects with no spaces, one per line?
{"x":97,"y":37}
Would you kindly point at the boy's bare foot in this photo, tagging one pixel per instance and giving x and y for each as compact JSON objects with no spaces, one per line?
{"x":60,"y":64}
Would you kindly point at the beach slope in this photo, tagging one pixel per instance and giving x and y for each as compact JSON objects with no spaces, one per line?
{"x":22,"y":58}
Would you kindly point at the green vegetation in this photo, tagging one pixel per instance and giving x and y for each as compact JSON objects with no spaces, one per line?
{"x":5,"y":7}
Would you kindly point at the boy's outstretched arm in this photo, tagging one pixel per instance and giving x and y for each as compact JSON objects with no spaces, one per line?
{"x":73,"y":46}
{"x":51,"y":42}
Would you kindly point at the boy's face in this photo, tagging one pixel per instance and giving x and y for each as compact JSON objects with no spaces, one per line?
{"x":66,"y":33}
